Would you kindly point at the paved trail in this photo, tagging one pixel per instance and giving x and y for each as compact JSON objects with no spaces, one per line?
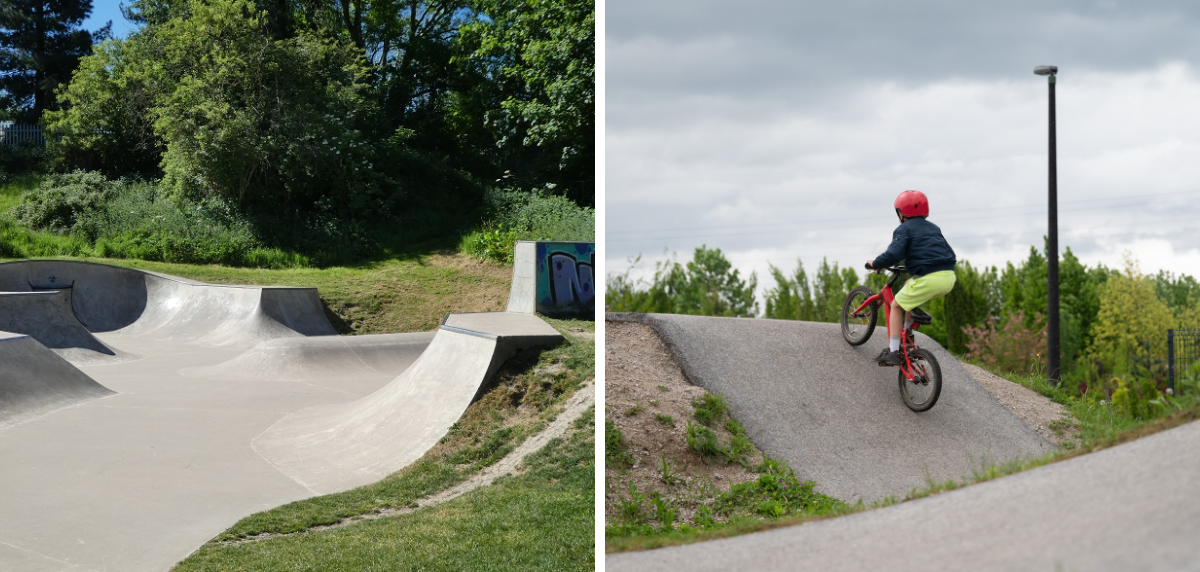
{"x":1130,"y":507}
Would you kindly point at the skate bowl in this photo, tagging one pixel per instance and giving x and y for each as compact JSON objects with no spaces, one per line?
{"x":142,"y":414}
{"x":807,"y":397}
{"x":146,"y":304}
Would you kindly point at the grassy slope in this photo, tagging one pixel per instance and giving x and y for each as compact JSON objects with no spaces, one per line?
{"x":540,"y":520}
{"x":543,"y":519}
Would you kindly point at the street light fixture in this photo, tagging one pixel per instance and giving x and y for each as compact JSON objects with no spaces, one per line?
{"x":1052,"y":329}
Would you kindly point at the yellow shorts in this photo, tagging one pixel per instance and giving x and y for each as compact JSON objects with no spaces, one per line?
{"x":921,"y":289}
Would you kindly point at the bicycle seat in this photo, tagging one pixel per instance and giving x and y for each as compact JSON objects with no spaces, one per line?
{"x":922,"y":317}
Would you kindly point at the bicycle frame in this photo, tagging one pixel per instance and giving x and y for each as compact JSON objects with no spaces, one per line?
{"x":907,"y":341}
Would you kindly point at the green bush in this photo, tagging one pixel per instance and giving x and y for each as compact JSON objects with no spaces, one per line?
{"x":520,"y":215}
{"x":62,"y":200}
{"x":83,"y":213}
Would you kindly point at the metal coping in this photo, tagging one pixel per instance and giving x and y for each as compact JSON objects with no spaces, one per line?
{"x":470,"y":332}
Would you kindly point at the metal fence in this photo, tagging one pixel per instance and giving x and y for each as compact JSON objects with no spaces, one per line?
{"x":1183,"y":349}
{"x":16,"y":134}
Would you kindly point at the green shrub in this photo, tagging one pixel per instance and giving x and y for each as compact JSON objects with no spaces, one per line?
{"x":514,"y":215}
{"x":83,"y":213}
{"x":490,"y":244}
{"x":62,"y":200}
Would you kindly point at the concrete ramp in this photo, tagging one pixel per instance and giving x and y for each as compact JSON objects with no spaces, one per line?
{"x":809,"y":398}
{"x":35,"y":381}
{"x":47,"y":317}
{"x":321,"y":358}
{"x":145,"y":304}
{"x":339,"y":447}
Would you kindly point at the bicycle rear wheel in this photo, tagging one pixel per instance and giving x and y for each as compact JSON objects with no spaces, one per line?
{"x":923,"y":391}
{"x":858,"y":329}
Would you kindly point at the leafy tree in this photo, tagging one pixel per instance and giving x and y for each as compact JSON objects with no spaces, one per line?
{"x":541,"y":56}
{"x":706,"y":286}
{"x":234,"y":113}
{"x":1131,"y":321}
{"x":40,"y":45}
{"x":966,"y":305}
{"x":106,"y":123}
{"x":790,"y":298}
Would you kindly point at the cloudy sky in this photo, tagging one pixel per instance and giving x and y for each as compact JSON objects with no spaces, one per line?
{"x":783,"y":130}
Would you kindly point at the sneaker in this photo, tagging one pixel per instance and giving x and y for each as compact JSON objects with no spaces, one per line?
{"x":888,"y":357}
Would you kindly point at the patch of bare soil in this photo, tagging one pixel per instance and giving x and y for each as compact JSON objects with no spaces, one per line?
{"x":649,"y":400}
{"x":1039,"y":413}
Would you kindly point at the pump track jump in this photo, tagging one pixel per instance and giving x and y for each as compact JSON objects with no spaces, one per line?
{"x":807,"y":397}
{"x":142,"y":414}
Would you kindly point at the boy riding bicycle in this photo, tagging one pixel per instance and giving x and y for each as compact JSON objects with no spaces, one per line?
{"x":928,"y":258}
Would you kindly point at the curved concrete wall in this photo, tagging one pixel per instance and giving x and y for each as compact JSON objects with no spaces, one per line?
{"x":138,"y":303}
{"x":48,"y":318}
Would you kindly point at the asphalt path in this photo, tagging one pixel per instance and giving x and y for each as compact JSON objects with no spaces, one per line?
{"x":807,"y":397}
{"x":1130,"y":507}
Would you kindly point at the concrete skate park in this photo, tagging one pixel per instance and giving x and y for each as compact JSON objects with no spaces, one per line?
{"x":142,"y":414}
{"x":807,"y":397}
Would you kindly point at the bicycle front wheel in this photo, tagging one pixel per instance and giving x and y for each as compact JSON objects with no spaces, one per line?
{"x":922,"y":392}
{"x":857,"y":329}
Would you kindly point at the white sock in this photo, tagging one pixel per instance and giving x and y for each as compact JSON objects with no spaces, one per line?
{"x":894,"y":344}
{"x":908,"y":321}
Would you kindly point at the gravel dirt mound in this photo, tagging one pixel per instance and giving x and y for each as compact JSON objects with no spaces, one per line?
{"x":807,"y":397}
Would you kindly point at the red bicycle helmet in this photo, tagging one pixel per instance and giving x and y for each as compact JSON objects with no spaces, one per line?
{"x":912,"y":203}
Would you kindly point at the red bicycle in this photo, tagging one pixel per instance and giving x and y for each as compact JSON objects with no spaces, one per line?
{"x":920,"y":376}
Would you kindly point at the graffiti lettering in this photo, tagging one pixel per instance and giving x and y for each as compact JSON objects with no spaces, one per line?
{"x":571,"y":280}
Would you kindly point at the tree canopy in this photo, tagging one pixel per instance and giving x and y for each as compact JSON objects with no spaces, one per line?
{"x":306,"y":103}
{"x":40,"y":45}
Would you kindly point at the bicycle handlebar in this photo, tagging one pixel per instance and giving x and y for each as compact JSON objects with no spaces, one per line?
{"x":895,"y":269}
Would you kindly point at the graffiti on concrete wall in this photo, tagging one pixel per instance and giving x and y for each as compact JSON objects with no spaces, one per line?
{"x":566,"y":278}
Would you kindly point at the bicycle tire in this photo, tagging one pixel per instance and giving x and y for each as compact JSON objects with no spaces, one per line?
{"x":921,"y":396}
{"x":858,"y":330}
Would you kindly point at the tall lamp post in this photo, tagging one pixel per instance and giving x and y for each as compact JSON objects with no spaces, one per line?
{"x":1052,"y":346}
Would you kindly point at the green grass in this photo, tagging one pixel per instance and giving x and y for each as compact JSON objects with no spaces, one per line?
{"x":11,"y":189}
{"x":541,"y":520}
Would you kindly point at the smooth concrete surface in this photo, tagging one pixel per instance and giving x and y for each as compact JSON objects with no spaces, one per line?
{"x":47,"y":317}
{"x":339,"y":447}
{"x":522,"y":296}
{"x":809,"y":398}
{"x":322,"y":357}
{"x":1123,"y":508}
{"x":139,"y":479}
{"x":35,"y":381}
{"x":109,"y":298}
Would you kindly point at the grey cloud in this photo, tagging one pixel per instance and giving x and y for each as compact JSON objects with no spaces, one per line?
{"x":810,"y":52}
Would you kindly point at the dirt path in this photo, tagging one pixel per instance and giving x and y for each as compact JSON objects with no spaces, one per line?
{"x":1039,"y":413}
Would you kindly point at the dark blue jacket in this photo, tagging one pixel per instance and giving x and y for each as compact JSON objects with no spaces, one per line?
{"x":919,"y":243}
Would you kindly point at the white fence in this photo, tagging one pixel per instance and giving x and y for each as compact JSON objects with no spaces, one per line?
{"x":13,"y":134}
